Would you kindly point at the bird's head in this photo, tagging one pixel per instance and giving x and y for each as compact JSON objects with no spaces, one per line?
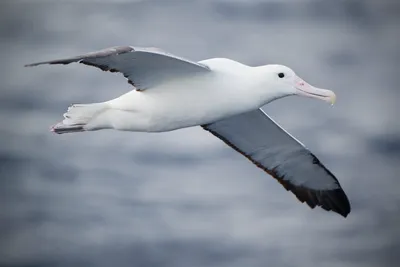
{"x":282,"y":81}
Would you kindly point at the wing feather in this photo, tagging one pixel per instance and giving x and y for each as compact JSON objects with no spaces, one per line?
{"x":257,"y":137}
{"x":143,"y":67}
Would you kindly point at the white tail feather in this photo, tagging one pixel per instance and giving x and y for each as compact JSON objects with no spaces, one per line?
{"x":77,"y":116}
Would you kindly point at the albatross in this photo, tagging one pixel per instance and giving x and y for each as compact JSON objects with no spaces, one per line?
{"x":222,"y":96}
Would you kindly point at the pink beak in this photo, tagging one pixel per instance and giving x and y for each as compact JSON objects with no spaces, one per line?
{"x":306,"y":89}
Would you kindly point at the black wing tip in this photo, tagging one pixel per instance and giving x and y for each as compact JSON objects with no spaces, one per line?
{"x":330,"y":200}
{"x":64,"y":62}
{"x":115,"y":50}
{"x":33,"y":64}
{"x":337,"y":201}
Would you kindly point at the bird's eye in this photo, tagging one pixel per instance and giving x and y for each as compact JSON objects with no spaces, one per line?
{"x":281,"y":75}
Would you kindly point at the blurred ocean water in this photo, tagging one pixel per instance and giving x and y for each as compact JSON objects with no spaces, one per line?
{"x":183,"y":198}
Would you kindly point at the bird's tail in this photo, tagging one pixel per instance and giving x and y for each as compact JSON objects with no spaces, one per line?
{"x":77,"y":117}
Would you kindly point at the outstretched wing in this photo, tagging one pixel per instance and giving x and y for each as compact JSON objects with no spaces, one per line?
{"x":143,"y":67}
{"x":256,"y":136}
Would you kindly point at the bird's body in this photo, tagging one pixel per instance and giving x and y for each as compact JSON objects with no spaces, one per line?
{"x":165,"y":107}
{"x":221,"y":95}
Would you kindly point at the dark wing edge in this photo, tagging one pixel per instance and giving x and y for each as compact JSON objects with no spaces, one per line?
{"x":105,"y":59}
{"x":86,"y":59}
{"x":330,"y":200}
{"x":81,"y":59}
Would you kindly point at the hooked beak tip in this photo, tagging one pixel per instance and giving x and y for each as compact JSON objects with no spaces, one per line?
{"x":332,"y":99}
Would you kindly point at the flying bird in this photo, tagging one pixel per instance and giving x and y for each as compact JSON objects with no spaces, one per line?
{"x":222,"y":96}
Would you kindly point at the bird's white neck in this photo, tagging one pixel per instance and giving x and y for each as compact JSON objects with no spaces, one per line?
{"x":261,"y":86}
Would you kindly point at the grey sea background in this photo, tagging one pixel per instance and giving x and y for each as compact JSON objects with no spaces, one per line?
{"x":183,"y":198}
